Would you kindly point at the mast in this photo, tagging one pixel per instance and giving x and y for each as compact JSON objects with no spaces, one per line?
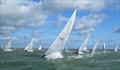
{"x":58,"y":44}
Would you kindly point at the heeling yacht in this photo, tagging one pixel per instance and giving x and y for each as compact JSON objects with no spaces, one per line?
{"x":7,"y":47}
{"x":29,"y":47}
{"x":55,"y":50}
{"x":94,"y":48}
{"x":83,"y":49}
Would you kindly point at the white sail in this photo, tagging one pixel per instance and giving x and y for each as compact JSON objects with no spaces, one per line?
{"x":40,"y":47}
{"x":7,"y":47}
{"x":116,"y":48}
{"x":84,"y":45}
{"x":29,"y":48}
{"x":56,"y":48}
{"x":94,"y":48}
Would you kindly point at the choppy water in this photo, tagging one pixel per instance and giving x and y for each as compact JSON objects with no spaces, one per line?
{"x":21,"y":60}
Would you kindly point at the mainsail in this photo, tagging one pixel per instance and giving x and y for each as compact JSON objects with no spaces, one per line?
{"x":58,"y":44}
{"x":7,"y":47}
{"x":29,"y":48}
{"x":94,"y":48}
{"x":84,"y":45}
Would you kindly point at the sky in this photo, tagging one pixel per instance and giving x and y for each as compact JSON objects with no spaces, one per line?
{"x":44,"y":19}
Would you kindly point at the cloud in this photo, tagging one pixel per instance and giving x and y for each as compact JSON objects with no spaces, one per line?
{"x":87,"y":24}
{"x":89,"y":5}
{"x":113,"y":4}
{"x":36,"y":33}
{"x":92,"y":5}
{"x":60,"y":20}
{"x":6,"y":30}
{"x":117,"y":30}
{"x":19,"y":14}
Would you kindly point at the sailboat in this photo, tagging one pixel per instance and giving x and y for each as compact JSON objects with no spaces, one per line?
{"x":94,"y":48}
{"x":116,"y":48}
{"x":40,"y":48}
{"x":2,"y":47}
{"x":7,"y":47}
{"x":29,"y":48}
{"x":104,"y":47}
{"x":83,"y":48}
{"x":55,"y":50}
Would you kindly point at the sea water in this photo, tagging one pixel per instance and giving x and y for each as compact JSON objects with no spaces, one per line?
{"x":21,"y":60}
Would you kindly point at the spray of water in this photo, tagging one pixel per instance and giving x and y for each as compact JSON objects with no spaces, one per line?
{"x":54,"y":55}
